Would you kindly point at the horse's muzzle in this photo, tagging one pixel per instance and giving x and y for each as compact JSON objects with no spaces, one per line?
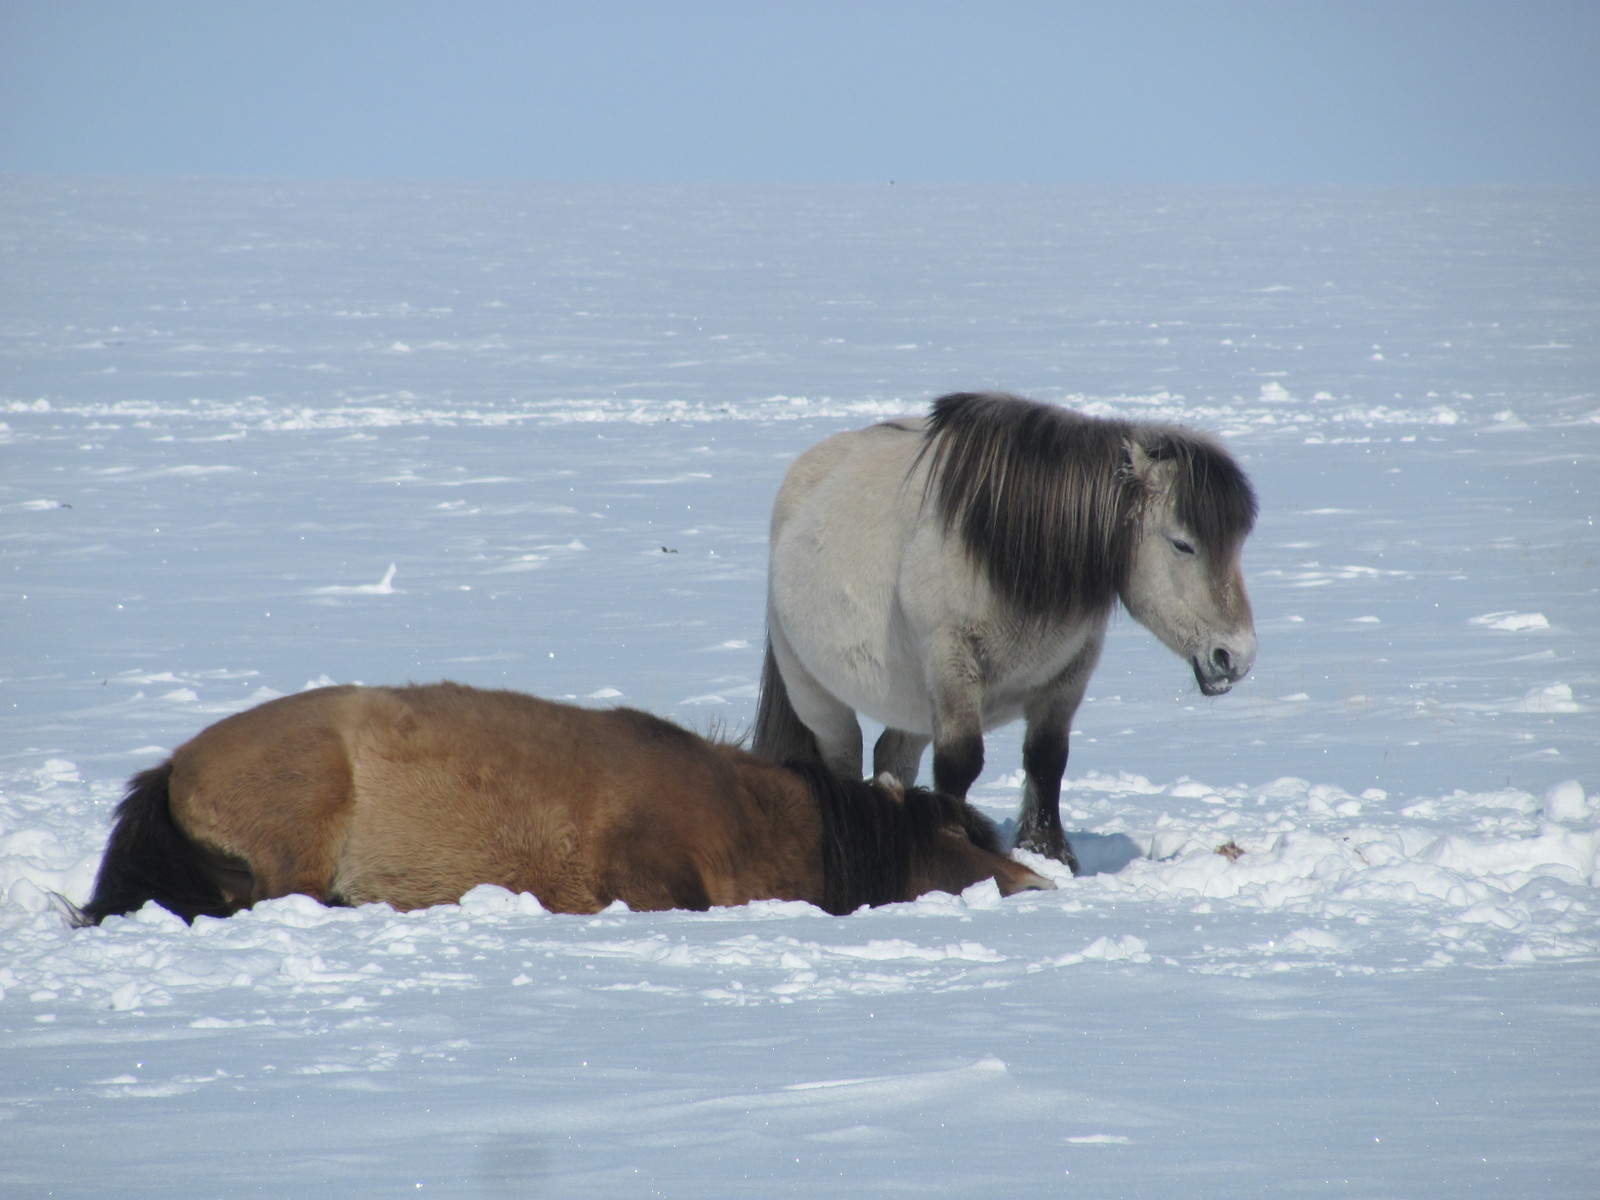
{"x":1220,"y":670}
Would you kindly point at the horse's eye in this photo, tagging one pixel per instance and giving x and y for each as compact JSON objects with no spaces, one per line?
{"x":1181,"y":546}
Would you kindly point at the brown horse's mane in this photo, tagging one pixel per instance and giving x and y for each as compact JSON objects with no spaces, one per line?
{"x":1046,"y":503}
{"x":873,"y":842}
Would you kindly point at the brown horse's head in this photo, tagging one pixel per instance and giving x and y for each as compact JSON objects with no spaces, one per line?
{"x":882,"y":844}
{"x":965,"y":848}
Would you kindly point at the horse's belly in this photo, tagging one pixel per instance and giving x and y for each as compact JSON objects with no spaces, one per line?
{"x":846,"y":644}
{"x":886,"y":678}
{"x":885,"y":686}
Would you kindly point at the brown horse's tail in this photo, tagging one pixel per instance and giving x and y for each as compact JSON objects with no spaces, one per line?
{"x":150,"y":858}
{"x":780,"y":735}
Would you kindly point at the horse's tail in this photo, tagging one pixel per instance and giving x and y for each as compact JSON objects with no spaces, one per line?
{"x":780,"y":735}
{"x":150,"y":858}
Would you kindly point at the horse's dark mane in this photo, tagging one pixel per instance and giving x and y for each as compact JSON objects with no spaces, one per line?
{"x":872,"y":842}
{"x":1045,"y":503}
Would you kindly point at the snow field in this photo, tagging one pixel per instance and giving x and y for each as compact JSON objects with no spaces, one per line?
{"x":1337,"y":933}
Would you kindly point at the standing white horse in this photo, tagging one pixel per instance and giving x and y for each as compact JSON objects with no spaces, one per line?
{"x":946,"y":575}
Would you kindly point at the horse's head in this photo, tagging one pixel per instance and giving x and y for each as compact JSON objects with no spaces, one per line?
{"x":1184,"y":581}
{"x":960,"y":846}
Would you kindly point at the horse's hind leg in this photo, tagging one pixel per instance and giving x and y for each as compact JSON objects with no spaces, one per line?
{"x":900,"y":754}
{"x":838,"y":735}
{"x":779,"y":733}
{"x":833,"y":722}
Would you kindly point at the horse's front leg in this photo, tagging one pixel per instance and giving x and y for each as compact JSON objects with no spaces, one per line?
{"x":957,"y":758}
{"x":1049,"y":715}
{"x":1044,"y":762}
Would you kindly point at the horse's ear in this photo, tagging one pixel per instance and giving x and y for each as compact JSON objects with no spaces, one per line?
{"x":1152,"y":459}
{"x":1137,"y":462}
{"x":891,"y":787}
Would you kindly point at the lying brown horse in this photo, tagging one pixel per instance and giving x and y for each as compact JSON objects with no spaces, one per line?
{"x":413,"y":796}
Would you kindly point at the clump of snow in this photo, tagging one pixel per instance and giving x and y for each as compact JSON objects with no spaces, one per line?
{"x":1513,"y":622}
{"x":1552,"y":698}
{"x":384,"y":587}
{"x":1566,"y":801}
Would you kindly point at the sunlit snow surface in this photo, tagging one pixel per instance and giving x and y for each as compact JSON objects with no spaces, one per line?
{"x":260,"y":437}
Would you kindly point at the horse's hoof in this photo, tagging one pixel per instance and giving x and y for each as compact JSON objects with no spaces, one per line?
{"x":1051,"y":846}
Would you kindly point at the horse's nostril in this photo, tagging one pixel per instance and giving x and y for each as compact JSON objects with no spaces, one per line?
{"x":1223,"y":660}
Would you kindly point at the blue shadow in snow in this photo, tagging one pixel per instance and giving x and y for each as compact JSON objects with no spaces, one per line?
{"x":1098,"y":853}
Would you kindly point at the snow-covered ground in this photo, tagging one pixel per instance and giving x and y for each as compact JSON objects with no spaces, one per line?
{"x":255,"y":437}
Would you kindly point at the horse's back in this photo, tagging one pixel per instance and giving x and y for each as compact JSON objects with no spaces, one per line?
{"x":848,"y":469}
{"x":457,"y":786}
{"x":412,"y":796}
{"x":405,"y":795}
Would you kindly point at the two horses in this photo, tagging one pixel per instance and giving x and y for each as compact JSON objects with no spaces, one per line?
{"x":942,"y":575}
{"x":415,"y":795}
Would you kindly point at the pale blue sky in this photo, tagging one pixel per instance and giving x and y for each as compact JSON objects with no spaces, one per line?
{"x":1247,"y":91}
